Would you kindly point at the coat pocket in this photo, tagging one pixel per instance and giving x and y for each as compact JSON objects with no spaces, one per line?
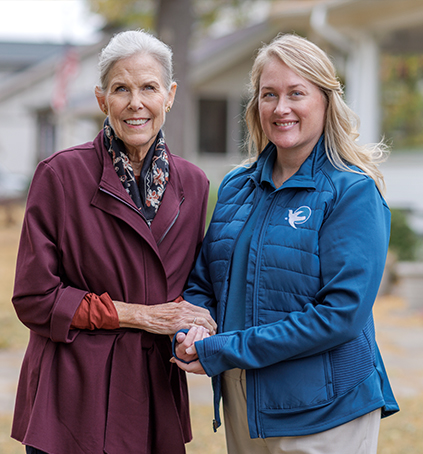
{"x":292,"y":385}
{"x":354,"y":361}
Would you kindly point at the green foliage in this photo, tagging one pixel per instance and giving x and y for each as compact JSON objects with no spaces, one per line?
{"x":141,"y":13}
{"x":211,"y":204}
{"x":126,"y":13}
{"x":404,"y":241}
{"x":210,"y":11}
{"x":402,"y":99}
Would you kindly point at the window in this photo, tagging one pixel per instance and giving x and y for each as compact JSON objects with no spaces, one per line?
{"x":213,"y":126}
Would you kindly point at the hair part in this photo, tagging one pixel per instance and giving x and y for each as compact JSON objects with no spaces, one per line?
{"x":128,"y":43}
{"x":341,"y":123}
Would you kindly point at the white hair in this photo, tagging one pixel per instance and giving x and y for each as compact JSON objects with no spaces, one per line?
{"x":128,"y":43}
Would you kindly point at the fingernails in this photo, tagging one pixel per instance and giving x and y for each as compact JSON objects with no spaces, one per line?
{"x":189,"y":351}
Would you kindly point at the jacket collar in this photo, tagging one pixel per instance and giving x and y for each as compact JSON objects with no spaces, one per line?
{"x":303,"y":178}
{"x":112,"y":198}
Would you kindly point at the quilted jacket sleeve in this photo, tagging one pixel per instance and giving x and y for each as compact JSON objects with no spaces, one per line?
{"x":42,"y":300}
{"x":200,"y":290}
{"x":353,"y":243}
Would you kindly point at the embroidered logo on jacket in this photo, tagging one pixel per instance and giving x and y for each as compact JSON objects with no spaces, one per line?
{"x":299,"y":216}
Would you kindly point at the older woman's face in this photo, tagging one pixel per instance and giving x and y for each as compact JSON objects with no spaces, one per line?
{"x":292,"y":109}
{"x":136,"y":100}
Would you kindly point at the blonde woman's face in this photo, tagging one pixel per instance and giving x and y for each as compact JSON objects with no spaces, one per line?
{"x":136,"y":99}
{"x":292,"y":110}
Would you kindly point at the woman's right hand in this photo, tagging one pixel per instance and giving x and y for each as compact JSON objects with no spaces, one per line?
{"x":184,"y":346}
{"x":167,"y":318}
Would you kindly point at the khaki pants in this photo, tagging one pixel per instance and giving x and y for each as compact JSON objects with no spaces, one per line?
{"x":359,"y":436}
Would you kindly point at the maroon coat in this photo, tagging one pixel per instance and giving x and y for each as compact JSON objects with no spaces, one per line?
{"x":89,"y":392}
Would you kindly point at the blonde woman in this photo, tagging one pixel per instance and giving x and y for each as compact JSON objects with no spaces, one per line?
{"x":290,"y":269}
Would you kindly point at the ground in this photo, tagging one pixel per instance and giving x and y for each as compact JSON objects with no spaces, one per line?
{"x":399,"y":334}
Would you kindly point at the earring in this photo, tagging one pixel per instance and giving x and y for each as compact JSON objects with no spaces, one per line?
{"x":106,"y":112}
{"x":168,"y":109}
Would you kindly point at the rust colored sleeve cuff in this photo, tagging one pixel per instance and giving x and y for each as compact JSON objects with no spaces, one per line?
{"x":96,"y":312}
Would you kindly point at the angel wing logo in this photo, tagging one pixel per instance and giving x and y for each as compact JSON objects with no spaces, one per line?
{"x":299,"y":216}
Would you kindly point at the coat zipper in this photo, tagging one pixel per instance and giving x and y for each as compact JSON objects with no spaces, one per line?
{"x":258,"y":258}
{"x":142,"y":217}
{"x":125,"y":203}
{"x":173,"y":222}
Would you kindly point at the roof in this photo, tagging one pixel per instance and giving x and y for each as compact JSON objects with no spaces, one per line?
{"x":212,"y":55}
{"x":16,"y":56}
{"x":41,"y":68}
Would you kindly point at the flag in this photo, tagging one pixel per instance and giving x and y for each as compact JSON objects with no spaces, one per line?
{"x":67,"y":68}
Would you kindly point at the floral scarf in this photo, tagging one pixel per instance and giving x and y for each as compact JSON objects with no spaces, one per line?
{"x":148,"y":194}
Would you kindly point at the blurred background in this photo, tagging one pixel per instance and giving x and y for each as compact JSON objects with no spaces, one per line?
{"x":48,"y":70}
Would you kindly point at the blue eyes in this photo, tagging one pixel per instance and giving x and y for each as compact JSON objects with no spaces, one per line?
{"x":294,"y":94}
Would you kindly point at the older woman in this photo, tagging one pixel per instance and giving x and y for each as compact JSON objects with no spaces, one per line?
{"x":291,"y":266}
{"x":111,"y":231}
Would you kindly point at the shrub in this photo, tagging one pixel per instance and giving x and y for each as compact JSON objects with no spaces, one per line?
{"x":404,"y":242}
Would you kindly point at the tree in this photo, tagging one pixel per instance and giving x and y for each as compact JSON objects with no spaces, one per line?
{"x":402,"y":101}
{"x":174,"y":22}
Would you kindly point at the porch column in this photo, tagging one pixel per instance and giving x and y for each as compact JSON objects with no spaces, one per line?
{"x":363,"y":86}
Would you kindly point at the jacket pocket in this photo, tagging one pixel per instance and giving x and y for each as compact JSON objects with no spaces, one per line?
{"x":354,"y":361}
{"x":293,"y":385}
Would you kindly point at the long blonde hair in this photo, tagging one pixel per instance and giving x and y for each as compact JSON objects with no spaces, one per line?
{"x":341,"y":124}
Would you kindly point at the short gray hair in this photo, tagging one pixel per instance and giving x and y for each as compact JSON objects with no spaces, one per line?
{"x":131,"y":42}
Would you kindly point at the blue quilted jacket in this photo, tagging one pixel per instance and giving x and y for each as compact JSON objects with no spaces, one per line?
{"x":316,"y":260}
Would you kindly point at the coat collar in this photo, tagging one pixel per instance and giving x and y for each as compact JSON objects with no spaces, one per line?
{"x":112,"y":198}
{"x":304,"y":177}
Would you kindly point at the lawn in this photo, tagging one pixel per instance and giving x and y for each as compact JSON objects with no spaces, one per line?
{"x":400,"y":434}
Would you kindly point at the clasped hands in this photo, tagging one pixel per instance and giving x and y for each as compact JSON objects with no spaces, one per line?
{"x":185,"y":349}
{"x":169,"y":318}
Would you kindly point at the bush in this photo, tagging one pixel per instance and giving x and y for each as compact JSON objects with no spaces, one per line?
{"x":404,"y":242}
{"x":211,"y":204}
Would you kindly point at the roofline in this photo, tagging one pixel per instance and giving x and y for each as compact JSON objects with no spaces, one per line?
{"x":44,"y":69}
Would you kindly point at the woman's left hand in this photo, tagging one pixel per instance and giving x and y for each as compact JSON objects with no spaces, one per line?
{"x":167,"y":318}
{"x":185,"y":349}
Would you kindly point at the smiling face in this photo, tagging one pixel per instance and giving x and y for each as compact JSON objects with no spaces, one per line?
{"x":136,"y":100}
{"x":292,"y":110}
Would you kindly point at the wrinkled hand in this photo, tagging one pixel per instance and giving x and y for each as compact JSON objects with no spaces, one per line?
{"x":167,"y":318}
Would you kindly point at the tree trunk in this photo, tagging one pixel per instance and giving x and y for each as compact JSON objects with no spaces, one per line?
{"x":174,"y":22}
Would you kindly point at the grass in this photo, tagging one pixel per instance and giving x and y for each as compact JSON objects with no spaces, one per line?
{"x":399,"y":434}
{"x":12,"y":332}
